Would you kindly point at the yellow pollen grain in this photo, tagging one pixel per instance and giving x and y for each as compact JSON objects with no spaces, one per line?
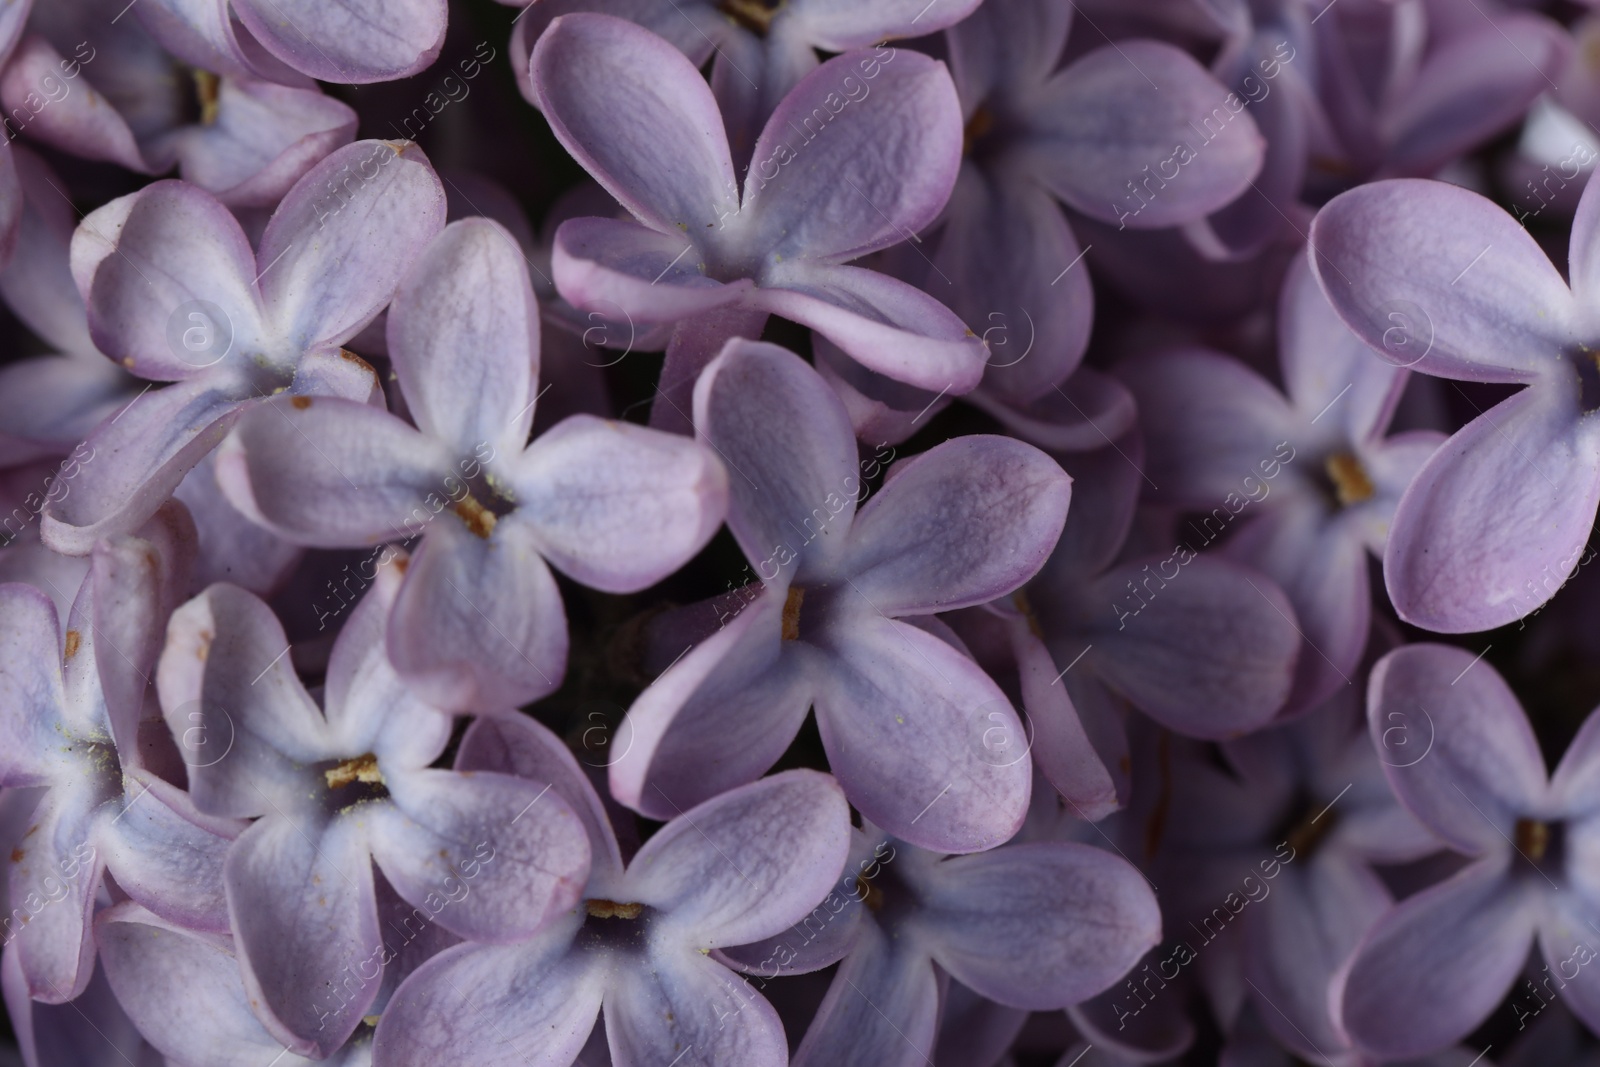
{"x":479,"y":519}
{"x":359,"y":769}
{"x":207,"y":87}
{"x":791,"y":613}
{"x":611,"y":909}
{"x":74,"y":641}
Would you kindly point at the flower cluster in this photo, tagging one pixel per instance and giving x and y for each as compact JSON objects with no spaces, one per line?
{"x":853,"y":533}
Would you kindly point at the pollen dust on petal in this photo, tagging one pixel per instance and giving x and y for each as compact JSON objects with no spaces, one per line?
{"x":611,"y":909}
{"x":360,"y":769}
{"x":791,"y":613}
{"x":300,"y":403}
{"x":74,"y":642}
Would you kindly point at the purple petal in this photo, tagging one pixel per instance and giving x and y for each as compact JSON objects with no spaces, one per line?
{"x":1105,"y":121}
{"x":304,"y":915}
{"x":341,"y":240}
{"x":1483,"y":769}
{"x":604,"y":266}
{"x":883,"y":171}
{"x":516,"y":858}
{"x":331,"y":472}
{"x":669,"y":165}
{"x":790,"y":453}
{"x":881,"y":1010}
{"x":479,"y":623}
{"x":464,"y":339}
{"x":1009,"y":47}
{"x":685,"y":1001}
{"x":348,"y":41}
{"x":908,"y":723}
{"x":54,"y":876}
{"x":1442,"y":280}
{"x":31,"y":687}
{"x":791,"y":832}
{"x":964,"y":523}
{"x":616,"y":506}
{"x":838,"y":25}
{"x":1435,"y":967}
{"x":1532,"y":466}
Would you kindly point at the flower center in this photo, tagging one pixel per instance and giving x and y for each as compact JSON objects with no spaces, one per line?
{"x":1532,"y":838}
{"x":207,"y":88}
{"x":360,"y":769}
{"x":791,"y":613}
{"x":479,"y":519}
{"x":754,"y":15}
{"x":611,"y":909}
{"x":1350,"y":482}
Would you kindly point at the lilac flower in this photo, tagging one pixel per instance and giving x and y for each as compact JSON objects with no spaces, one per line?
{"x":833,"y":616}
{"x":1436,"y":965}
{"x":479,"y":622}
{"x":1215,"y":429}
{"x":175,"y":294}
{"x":1439,"y":279}
{"x":1204,"y":645}
{"x":183,"y":989}
{"x":98,"y":86}
{"x":861,"y":154}
{"x":1091,"y":133}
{"x":759,"y":50}
{"x":50,"y":403}
{"x":335,"y":789}
{"x":738,"y":868}
{"x":69,"y":707}
{"x":1035,"y":926}
{"x":345,"y":41}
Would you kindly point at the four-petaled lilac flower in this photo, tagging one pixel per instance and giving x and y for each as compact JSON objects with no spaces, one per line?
{"x":1439,"y":279}
{"x":1037,"y":926}
{"x":70,"y":707}
{"x":479,"y":623}
{"x":175,"y":293}
{"x":1435,"y":966}
{"x":1214,"y":429}
{"x":743,"y":866}
{"x":860,"y":155}
{"x":833,"y":618}
{"x":335,"y":789}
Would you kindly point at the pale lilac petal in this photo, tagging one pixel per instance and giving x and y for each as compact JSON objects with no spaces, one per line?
{"x":1394,"y":259}
{"x":694,"y":343}
{"x":1013,"y":265}
{"x":719,"y":717}
{"x":882,"y":410}
{"x":50,"y":403}
{"x":235,"y":706}
{"x":1483,"y":770}
{"x":31,"y":686}
{"x":348,"y":41}
{"x":1575,"y":785}
{"x":1127,"y":113}
{"x":527,"y":1005}
{"x":479,"y":623}
{"x":617,"y":506}
{"x":38,"y":283}
{"x":232,"y":547}
{"x":904,"y":718}
{"x":1583,"y":249}
{"x":881,"y":1010}
{"x":344,"y":236}
{"x":330,"y":472}
{"x":516,"y":744}
{"x":175,"y":255}
{"x":82,"y":124}
{"x":791,"y":832}
{"x":1211,"y":655}
{"x":505,"y":857}
{"x":1328,"y":371}
{"x":881,"y":322}
{"x":838,"y":25}
{"x":791,"y":457}
{"x":1435,"y":967}
{"x":962,"y":524}
{"x":264,"y":139}
{"x":1007,"y":46}
{"x":685,"y":1001}
{"x":1496,"y":519}
{"x":1565,"y":941}
{"x":183,"y":989}
{"x":1089,"y":411}
{"x":602,"y":265}
{"x":303,"y":909}
{"x":862,"y":153}
{"x":669,"y":164}
{"x":203,"y":33}
{"x":464,"y":340}
{"x":1039,"y":926}
{"x":133,"y":462}
{"x":54,"y":874}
